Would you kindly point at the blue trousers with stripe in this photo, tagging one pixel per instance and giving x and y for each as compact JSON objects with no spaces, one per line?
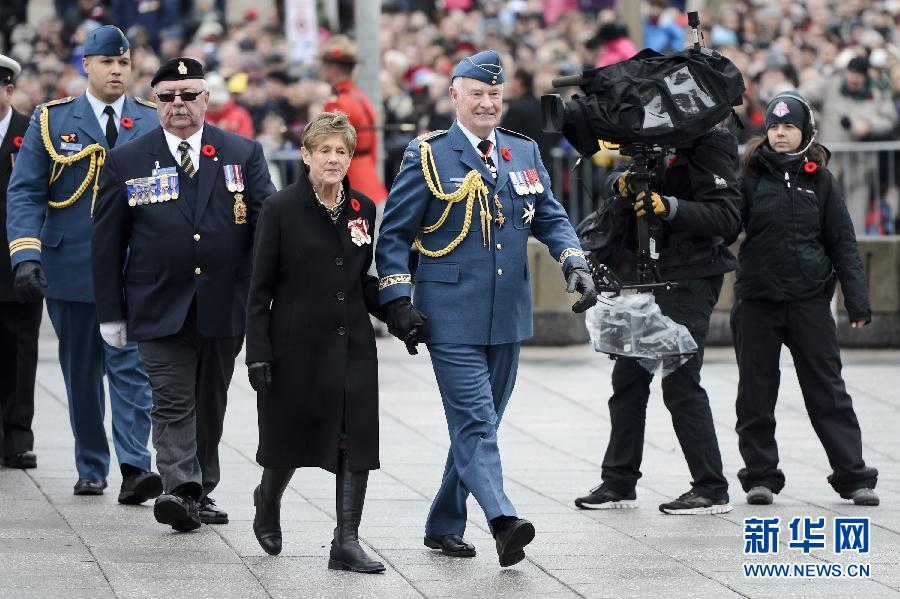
{"x":475,"y":382}
{"x":85,"y":358}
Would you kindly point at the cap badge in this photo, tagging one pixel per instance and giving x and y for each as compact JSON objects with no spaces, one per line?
{"x":182,"y":70}
{"x":781,"y":109}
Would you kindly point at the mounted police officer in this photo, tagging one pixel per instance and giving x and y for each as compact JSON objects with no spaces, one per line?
{"x":172,"y":242}
{"x":50,"y":201}
{"x":469,"y":198}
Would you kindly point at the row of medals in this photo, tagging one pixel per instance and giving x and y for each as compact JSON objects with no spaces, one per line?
{"x":150,"y":190}
{"x":527,"y":182}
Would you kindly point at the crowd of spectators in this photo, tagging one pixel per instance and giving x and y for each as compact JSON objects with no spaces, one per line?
{"x":844,"y":54}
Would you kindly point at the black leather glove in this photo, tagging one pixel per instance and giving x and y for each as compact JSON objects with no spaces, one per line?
{"x":406,"y":323}
{"x":579,"y":279}
{"x":260,"y":375}
{"x":30,"y":281}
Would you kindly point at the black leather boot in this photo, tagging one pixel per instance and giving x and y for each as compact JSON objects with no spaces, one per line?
{"x":346,"y":552}
{"x":267,"y":499}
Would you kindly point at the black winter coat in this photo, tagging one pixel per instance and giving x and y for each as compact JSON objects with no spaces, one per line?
{"x":792,"y":249}
{"x":308,"y":314}
{"x":703,"y":180}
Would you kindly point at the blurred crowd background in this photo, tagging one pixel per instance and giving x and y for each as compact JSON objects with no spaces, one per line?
{"x":844,"y":55}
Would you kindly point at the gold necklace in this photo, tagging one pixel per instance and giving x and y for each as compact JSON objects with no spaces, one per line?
{"x":334,"y":212}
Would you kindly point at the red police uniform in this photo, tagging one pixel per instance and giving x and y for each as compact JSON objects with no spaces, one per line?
{"x":363,"y":172}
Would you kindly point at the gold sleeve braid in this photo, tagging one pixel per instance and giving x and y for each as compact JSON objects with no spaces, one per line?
{"x":387,"y":281}
{"x":569,"y":252}
{"x":471,"y":187}
{"x":24,"y":243}
{"x":96,"y":152}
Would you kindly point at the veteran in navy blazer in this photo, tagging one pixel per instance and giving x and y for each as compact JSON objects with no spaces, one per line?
{"x":20,"y":322}
{"x":172,"y":246}
{"x":468,"y":199}
{"x":50,"y":201}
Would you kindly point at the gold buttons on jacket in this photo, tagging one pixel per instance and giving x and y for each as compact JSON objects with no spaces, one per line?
{"x":196,"y":236}
{"x":499,"y":246}
{"x":500,"y":272}
{"x":197,"y":271}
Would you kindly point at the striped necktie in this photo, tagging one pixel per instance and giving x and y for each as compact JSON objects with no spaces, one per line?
{"x":187,"y":166}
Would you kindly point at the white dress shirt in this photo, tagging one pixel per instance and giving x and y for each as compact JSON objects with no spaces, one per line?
{"x":194,"y":151}
{"x":4,"y":124}
{"x":98,"y":106}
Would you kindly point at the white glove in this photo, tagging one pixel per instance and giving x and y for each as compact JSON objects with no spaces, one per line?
{"x":114,"y":333}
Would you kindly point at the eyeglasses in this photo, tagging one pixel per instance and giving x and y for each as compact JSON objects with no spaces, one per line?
{"x":185,"y":97}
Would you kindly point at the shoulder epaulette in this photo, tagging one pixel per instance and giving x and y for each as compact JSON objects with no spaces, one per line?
{"x":65,"y":100}
{"x":431,"y":135}
{"x":516,"y":133}
{"x":146,"y":103}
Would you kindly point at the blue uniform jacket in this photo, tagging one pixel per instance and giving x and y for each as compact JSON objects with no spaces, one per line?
{"x":474,"y":295}
{"x":152,"y":260}
{"x":60,"y":238}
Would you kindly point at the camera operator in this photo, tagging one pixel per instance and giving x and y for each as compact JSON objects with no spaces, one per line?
{"x":697,"y":208}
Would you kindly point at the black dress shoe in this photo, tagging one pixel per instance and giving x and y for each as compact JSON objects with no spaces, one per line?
{"x":451,"y":545}
{"x":512,"y":539}
{"x":138,"y":488}
{"x":22,"y":459}
{"x":181,"y":513}
{"x":85,"y":486}
{"x":210,"y":513}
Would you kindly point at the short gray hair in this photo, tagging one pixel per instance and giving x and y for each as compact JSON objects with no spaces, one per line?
{"x":326,"y":124}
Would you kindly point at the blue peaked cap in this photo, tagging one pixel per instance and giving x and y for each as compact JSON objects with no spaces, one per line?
{"x":107,"y":40}
{"x":484,"y":67}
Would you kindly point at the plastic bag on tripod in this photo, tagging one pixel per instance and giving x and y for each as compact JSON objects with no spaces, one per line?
{"x":633,"y":326}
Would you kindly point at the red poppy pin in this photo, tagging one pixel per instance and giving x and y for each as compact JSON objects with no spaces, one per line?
{"x":354,"y":203}
{"x":208,"y":151}
{"x":17,"y":141}
{"x":810,"y":167}
{"x":507,"y":155}
{"x":127,"y":122}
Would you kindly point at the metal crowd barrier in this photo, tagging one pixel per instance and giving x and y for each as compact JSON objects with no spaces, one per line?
{"x":866,"y":172}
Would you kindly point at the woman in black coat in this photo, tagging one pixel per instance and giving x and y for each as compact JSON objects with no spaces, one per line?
{"x":799,"y":239}
{"x":310,"y":345}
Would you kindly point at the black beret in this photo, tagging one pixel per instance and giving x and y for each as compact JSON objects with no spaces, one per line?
{"x":178,"y":69}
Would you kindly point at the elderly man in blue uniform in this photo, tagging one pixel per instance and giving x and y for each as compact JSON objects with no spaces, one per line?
{"x":173,"y":237}
{"x":468,"y":199}
{"x":50,"y":202}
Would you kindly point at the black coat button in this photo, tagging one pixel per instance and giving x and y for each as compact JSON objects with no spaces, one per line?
{"x":340,"y":296}
{"x":338,"y":261}
{"x":341,"y":331}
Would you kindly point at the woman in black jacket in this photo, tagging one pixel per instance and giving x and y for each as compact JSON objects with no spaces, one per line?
{"x":310,"y":345}
{"x":799,"y":237}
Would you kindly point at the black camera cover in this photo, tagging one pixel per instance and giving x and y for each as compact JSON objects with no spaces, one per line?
{"x":665,"y":99}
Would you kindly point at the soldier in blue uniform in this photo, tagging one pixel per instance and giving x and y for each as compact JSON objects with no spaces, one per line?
{"x":172,"y":242}
{"x":468,"y":199}
{"x":50,"y":201}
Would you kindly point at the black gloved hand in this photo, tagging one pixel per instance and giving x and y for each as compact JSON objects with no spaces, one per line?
{"x":406,"y":322}
{"x":30,"y":281}
{"x":579,"y":279}
{"x":260,"y":375}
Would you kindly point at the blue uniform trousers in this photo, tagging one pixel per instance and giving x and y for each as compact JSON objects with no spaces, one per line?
{"x":475,"y":383}
{"x":85,"y":358}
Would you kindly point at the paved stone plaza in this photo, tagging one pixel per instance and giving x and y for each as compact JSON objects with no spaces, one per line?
{"x":53,"y":544}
